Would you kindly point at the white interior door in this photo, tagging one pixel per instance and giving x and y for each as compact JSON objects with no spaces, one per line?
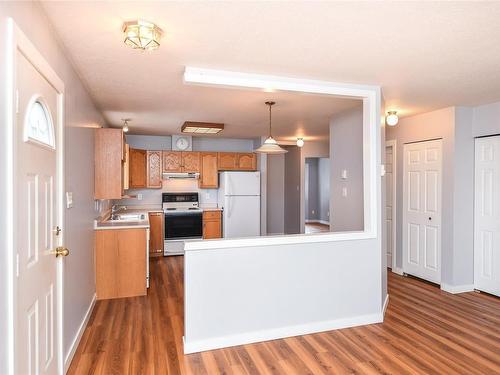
{"x":389,"y":197}
{"x":487,"y":215}
{"x":37,"y":215}
{"x":422,"y":210}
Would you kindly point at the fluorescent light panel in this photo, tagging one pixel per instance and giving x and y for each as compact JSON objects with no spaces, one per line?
{"x":202,"y":127}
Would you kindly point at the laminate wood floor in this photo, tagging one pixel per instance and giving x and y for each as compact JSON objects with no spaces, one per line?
{"x":426,"y":331}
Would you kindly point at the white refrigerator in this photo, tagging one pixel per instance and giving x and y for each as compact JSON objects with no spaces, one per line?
{"x":239,"y":196}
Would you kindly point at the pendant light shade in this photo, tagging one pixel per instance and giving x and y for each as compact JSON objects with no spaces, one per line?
{"x":270,"y":145}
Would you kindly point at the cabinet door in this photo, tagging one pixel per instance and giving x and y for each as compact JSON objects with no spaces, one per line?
{"x":120,"y":263}
{"x":212,"y":224}
{"x":209,"y":178}
{"x":191,"y":162}
{"x":247,"y":161}
{"x":154,"y":169}
{"x":137,"y":170}
{"x":108,"y":154}
{"x":172,"y":161}
{"x":126,"y":168}
{"x":156,"y":233}
{"x":228,"y":161}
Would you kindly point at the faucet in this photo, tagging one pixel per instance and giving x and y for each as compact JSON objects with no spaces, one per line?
{"x":115,"y":209}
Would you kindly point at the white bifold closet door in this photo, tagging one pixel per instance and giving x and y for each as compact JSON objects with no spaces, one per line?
{"x":422,"y":209}
{"x":487,"y":215}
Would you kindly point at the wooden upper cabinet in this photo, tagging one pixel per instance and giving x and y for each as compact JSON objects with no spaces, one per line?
{"x":191,"y":162}
{"x":228,"y":161}
{"x":108,"y":158}
{"x":172,"y":161}
{"x":209,"y":178}
{"x":154,"y":168}
{"x":247,"y":161}
{"x":137,"y":168}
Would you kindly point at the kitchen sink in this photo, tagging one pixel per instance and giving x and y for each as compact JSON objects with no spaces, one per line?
{"x":127,"y":217}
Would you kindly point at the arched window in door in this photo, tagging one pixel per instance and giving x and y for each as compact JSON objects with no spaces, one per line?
{"x":39,"y":127}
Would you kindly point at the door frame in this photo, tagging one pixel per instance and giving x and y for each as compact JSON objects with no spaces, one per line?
{"x":405,"y":202}
{"x":393,"y":143}
{"x":17,"y":41}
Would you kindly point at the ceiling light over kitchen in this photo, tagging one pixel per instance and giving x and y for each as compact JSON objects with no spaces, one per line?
{"x":202,"y":127}
{"x":300,"y":142}
{"x":142,"y":35}
{"x":270,"y":146}
{"x":392,"y":118}
{"x":125,"y":124}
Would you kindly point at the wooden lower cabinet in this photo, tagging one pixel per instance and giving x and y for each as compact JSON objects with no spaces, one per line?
{"x":212,"y":224}
{"x":155,"y":233}
{"x":120,"y":263}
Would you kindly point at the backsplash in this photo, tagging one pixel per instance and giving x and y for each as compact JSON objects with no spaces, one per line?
{"x":152,"y":197}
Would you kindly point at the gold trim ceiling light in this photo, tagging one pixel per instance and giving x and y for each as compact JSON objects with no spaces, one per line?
{"x":141,"y":34}
{"x":270,"y":145}
{"x":202,"y":127}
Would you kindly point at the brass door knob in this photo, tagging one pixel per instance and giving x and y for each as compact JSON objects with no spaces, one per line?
{"x":61,"y":251}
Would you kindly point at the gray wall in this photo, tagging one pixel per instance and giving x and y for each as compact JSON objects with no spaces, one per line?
{"x":79,"y":287}
{"x":346,"y":152}
{"x":276,"y":194}
{"x":456,"y":126}
{"x":154,"y":142}
{"x":432,"y":125}
{"x":293,"y":182}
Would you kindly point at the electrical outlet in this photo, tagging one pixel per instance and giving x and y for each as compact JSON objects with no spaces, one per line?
{"x":139,"y":197}
{"x":344,"y":174}
{"x":344,"y":192}
{"x":312,"y":212}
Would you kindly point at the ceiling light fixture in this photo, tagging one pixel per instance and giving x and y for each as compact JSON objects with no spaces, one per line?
{"x":392,"y":118}
{"x":202,"y":127}
{"x":142,"y":35}
{"x":270,"y":145}
{"x":125,"y":124}
{"x":300,"y":142}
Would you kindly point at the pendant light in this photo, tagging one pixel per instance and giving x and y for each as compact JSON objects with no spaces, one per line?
{"x":270,"y":145}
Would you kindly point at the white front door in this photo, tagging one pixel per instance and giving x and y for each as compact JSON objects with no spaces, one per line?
{"x":389,"y":196}
{"x":37,"y":216}
{"x":487,"y":215}
{"x":422,"y":210}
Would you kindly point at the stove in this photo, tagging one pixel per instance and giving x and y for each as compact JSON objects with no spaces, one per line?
{"x":183,"y":220}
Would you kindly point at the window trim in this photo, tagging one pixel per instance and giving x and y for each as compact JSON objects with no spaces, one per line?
{"x":372,"y":123}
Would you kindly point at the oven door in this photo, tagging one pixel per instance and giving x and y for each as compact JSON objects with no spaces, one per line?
{"x":183,"y":225}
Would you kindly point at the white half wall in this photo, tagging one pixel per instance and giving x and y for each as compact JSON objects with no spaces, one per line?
{"x":236,"y":296}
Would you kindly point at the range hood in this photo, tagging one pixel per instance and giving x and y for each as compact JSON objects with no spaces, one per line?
{"x":178,"y":176}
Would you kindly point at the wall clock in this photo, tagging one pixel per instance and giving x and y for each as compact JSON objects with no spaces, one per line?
{"x":182,"y":143}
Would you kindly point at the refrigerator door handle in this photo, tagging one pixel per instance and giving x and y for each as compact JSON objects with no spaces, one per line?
{"x":228,"y":206}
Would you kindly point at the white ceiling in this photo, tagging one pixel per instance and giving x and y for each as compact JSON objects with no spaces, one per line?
{"x":425,"y":55}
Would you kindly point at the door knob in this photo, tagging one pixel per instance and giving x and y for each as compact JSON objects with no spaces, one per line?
{"x":61,"y":251}
{"x":430,"y":218}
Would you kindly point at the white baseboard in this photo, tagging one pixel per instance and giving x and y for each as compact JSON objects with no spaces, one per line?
{"x":78,"y":336}
{"x":398,"y":271}
{"x":278,"y":333}
{"x":455,"y":289}
{"x":386,"y":303}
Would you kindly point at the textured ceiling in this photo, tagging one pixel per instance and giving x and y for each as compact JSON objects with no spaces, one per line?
{"x":425,"y":55}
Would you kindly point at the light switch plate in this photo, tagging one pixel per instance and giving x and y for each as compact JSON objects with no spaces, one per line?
{"x":344,"y":174}
{"x":344,"y":192}
{"x":69,"y":199}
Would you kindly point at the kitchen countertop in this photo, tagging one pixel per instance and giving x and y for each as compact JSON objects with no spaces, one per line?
{"x":102,"y":223}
